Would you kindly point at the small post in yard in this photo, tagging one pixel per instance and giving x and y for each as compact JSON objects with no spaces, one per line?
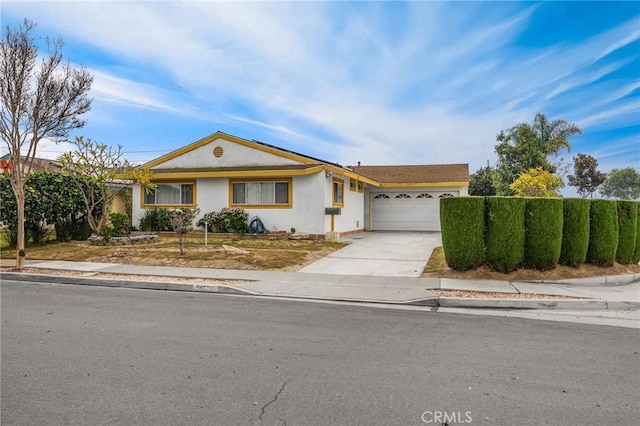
{"x":332,"y":236}
{"x":206,"y":229}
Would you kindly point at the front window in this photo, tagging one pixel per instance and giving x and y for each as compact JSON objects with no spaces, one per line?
{"x":338,"y":193}
{"x":269,"y":193}
{"x":171,"y":194}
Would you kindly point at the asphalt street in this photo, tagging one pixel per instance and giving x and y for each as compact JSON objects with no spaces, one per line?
{"x":92,"y":355}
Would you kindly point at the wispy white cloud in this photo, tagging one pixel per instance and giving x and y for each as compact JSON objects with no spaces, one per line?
{"x":344,"y":81}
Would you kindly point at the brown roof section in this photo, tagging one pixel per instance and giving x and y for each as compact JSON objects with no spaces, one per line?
{"x":416,"y":173}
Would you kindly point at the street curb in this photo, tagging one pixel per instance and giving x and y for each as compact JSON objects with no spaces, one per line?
{"x":143,"y":285}
{"x":448,"y":302}
{"x":484,"y":303}
{"x":608,"y":280}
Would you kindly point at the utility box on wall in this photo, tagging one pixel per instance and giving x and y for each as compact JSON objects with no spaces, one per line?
{"x":332,"y":210}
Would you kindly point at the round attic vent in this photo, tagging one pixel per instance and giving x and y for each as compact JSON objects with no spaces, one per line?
{"x":218,"y":151}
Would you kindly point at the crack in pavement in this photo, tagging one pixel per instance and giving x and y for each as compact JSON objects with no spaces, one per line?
{"x":264,"y":407}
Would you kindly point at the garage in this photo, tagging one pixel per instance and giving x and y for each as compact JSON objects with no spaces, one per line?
{"x":406,"y":211}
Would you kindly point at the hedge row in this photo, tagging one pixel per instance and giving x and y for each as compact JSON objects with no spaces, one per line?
{"x":603,"y":234}
{"x":575,"y":231}
{"x":464,"y":250}
{"x":506,"y":233}
{"x":628,"y":226}
{"x":543,"y":233}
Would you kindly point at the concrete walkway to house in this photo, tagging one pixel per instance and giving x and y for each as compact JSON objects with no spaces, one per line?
{"x":380,"y":254}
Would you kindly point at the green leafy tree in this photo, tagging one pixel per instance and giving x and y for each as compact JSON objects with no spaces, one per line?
{"x":526,"y":146}
{"x":92,"y":165}
{"x":623,"y":184}
{"x":182,"y":222}
{"x":586,"y":177}
{"x":40,"y":98}
{"x":537,"y":182}
{"x":481,"y":182}
{"x":49,"y":198}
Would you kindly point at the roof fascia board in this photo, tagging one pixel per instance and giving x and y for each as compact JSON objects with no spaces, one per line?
{"x":352,"y":175}
{"x":423,"y":184}
{"x":240,"y":173}
{"x":230,"y":138}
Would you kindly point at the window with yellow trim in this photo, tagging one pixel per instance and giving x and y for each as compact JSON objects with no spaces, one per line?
{"x":338,"y":192}
{"x":352,"y":185}
{"x":360,"y":187}
{"x":269,"y":193}
{"x":170,"y":194}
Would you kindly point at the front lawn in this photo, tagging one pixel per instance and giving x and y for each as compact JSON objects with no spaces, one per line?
{"x":259,"y":254}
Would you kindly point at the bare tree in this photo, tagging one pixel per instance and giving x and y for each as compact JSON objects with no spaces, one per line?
{"x":41,"y":99}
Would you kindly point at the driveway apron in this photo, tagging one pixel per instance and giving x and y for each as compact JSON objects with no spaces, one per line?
{"x":387,"y":254}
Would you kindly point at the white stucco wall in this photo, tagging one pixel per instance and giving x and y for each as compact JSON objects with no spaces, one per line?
{"x":234,"y":155}
{"x":306,"y":214}
{"x":351,"y":217}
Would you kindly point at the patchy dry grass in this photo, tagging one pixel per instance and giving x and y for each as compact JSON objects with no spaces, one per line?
{"x":437,"y":268}
{"x":261,"y":254}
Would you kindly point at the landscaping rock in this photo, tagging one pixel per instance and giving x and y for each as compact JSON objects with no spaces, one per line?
{"x":299,"y":236}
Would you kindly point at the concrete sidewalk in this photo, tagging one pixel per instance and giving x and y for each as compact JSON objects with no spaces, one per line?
{"x":619,"y":292}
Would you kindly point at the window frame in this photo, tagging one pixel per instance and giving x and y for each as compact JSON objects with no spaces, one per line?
{"x":340,"y":185}
{"x":194,"y":202}
{"x":287,"y":180}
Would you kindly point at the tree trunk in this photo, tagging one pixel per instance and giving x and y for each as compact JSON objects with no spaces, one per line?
{"x":181,"y":244}
{"x":20,"y":254}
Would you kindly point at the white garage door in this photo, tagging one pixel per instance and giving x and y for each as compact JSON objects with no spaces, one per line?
{"x":405,"y":211}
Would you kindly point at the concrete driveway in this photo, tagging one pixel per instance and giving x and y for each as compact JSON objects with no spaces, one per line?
{"x":386,"y":254}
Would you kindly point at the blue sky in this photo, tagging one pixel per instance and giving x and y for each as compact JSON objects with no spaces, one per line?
{"x":376,"y":82}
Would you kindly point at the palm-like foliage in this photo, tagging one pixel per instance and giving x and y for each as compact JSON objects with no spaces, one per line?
{"x":553,"y":135}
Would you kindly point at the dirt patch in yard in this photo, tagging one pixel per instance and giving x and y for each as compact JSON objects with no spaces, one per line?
{"x":282,"y":255}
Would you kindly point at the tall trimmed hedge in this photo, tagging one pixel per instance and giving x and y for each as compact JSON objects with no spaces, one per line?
{"x":627,"y":230}
{"x":462,"y":225}
{"x":543,"y":233}
{"x":603,"y":233}
{"x":505,"y":233}
{"x":636,"y":253}
{"x":575,"y":231}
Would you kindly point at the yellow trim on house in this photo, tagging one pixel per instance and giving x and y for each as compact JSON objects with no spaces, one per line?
{"x":171,"y":206}
{"x":289,"y":205}
{"x":350,"y":174}
{"x":353,"y":185}
{"x":241,"y":173}
{"x":228,"y":138}
{"x":340,"y":182}
{"x":423,"y":184}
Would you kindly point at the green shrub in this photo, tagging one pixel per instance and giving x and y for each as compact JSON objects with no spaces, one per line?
{"x":543,"y":233}
{"x":462,"y":224}
{"x":603,"y":233}
{"x":120,"y":224}
{"x":636,"y":253}
{"x":505,"y":233}
{"x":155,"y":220}
{"x":226,"y":220}
{"x":627,"y":231}
{"x":575,"y":231}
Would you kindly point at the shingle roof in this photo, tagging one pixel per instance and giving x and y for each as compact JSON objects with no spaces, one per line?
{"x":415,"y":173}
